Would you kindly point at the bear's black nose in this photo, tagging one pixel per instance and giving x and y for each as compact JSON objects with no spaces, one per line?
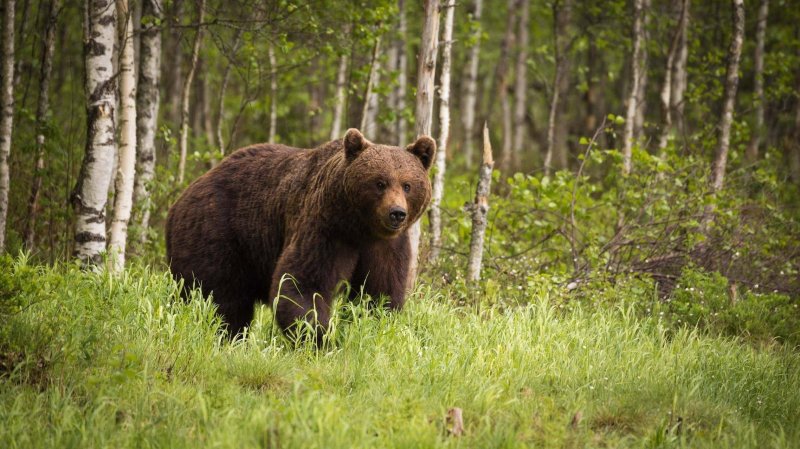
{"x":397,"y":215}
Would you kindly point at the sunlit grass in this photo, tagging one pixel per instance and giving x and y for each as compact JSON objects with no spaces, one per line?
{"x":101,"y":361}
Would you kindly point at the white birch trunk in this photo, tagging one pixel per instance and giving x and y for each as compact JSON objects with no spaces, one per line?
{"x":480,"y":211}
{"x":444,"y":136}
{"x":731,"y":86}
{"x":6,"y":113}
{"x":679,"y":74}
{"x":471,"y":94}
{"x":341,"y":97}
{"x":187,"y":90}
{"x":521,"y":86}
{"x":667,"y":128}
{"x":636,"y":75}
{"x":222,"y":91}
{"x":123,"y":200}
{"x":369,"y":113}
{"x":273,"y":94}
{"x":426,"y":72}
{"x":758,"y":83}
{"x":402,"y":77}
{"x":90,"y":195}
{"x":42,"y":108}
{"x":561,"y":17}
{"x":147,"y":106}
{"x":641,"y":93}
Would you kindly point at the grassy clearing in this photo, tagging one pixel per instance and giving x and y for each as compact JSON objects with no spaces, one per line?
{"x":89,"y":360}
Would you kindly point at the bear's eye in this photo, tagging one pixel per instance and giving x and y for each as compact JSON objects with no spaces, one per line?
{"x":381,"y":185}
{"x":407,"y":187}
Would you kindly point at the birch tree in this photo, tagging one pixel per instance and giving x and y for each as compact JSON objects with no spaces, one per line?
{"x":521,"y":85}
{"x":480,"y":211}
{"x":667,"y":88}
{"x":426,"y":71}
{"x":402,"y":73}
{"x":679,"y":74}
{"x":444,"y":136}
{"x":90,"y":194}
{"x":758,"y":83}
{"x":641,"y":93}
{"x":223,"y":89}
{"x":369,"y":113}
{"x":726,"y":117}
{"x":42,"y":110}
{"x":637,"y":69}
{"x":500,"y":87}
{"x":187,"y":90}
{"x":6,"y":113}
{"x":471,"y":90}
{"x":273,"y":94}
{"x":562,"y":15}
{"x":340,"y":97}
{"x":147,"y":106}
{"x":123,"y":199}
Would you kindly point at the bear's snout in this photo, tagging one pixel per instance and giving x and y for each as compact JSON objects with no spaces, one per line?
{"x":397,"y":215}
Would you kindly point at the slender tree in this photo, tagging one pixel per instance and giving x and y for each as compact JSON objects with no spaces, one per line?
{"x":223,"y":89}
{"x":187,"y":90}
{"x":679,"y":74}
{"x":273,"y":94}
{"x":369,"y":113}
{"x":726,"y":117}
{"x":641,"y":93}
{"x":444,"y":136}
{"x":147,"y":106}
{"x":471,"y":90}
{"x":6,"y":113}
{"x":123,"y":200}
{"x":341,"y":97}
{"x":521,"y":85}
{"x":667,"y":87}
{"x":402,"y":73}
{"x":42,"y":110}
{"x":758,"y":83}
{"x":90,"y":194}
{"x":480,"y":211}
{"x":426,"y":71}
{"x":556,"y":150}
{"x":637,"y":70}
{"x":500,"y":87}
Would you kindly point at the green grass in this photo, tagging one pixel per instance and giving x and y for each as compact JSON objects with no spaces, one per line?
{"x":92,"y":360}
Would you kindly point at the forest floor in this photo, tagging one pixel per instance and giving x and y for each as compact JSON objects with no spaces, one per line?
{"x":93,"y":360}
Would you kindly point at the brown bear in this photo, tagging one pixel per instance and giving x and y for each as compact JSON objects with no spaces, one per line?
{"x":272,"y":221}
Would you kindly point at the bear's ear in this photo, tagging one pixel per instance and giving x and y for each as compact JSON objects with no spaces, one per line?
{"x":424,"y":148}
{"x":354,"y":143}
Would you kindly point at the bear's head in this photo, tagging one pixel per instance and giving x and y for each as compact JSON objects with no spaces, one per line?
{"x":387,"y":186}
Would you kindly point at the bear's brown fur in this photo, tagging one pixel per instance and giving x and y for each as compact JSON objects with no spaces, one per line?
{"x":338,"y":212}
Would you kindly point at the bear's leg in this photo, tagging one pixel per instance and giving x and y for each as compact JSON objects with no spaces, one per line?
{"x":304,"y":282}
{"x":383,"y":270}
{"x":236,"y":311}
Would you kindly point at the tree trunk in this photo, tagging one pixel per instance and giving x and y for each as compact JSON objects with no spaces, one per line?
{"x":187,"y":89}
{"x":501,"y":86}
{"x":42,"y":108}
{"x":175,"y":62}
{"x":123,"y":200}
{"x":147,"y":105}
{"x":444,"y":136}
{"x":90,"y":195}
{"x":641,"y":94}
{"x":402,"y":77}
{"x":226,"y":76}
{"x":423,"y":115}
{"x":341,"y":97}
{"x":480,"y":211}
{"x":471,"y":94}
{"x":521,"y":86}
{"x":369,"y":114}
{"x":679,"y":74}
{"x":667,"y":88}
{"x":6,"y":113}
{"x":637,"y":69}
{"x":562,"y":12}
{"x":731,"y":85}
{"x":273,"y":94}
{"x":758,"y":84}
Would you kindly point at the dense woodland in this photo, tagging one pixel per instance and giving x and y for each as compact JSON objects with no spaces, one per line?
{"x":611,"y":257}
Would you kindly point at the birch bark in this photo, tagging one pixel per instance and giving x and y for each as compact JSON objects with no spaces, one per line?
{"x":187,"y":90}
{"x":6,"y":113}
